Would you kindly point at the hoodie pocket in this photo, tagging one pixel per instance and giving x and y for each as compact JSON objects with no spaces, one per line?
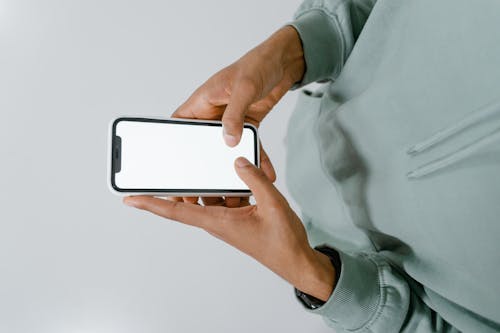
{"x":477,"y":118}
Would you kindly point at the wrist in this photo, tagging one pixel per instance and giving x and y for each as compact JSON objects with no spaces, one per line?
{"x":287,"y":46}
{"x":317,"y":276}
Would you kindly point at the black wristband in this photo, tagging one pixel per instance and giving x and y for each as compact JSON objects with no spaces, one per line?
{"x":312,"y":302}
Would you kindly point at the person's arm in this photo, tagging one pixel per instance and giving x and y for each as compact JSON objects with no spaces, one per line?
{"x":371,"y":296}
{"x":328,"y":30}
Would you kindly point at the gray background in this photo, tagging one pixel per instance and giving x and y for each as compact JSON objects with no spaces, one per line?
{"x":72,"y":257}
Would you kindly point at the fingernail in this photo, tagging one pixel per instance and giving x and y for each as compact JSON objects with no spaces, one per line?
{"x":231,"y":140}
{"x":242,"y":162}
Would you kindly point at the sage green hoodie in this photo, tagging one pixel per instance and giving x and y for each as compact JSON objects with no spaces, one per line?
{"x":395,"y":162}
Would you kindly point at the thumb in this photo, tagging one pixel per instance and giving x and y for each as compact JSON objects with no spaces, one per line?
{"x":242,"y":96}
{"x":256,"y":180}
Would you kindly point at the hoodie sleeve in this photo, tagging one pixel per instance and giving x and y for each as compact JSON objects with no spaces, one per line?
{"x":328,"y":30}
{"x":371,"y":296}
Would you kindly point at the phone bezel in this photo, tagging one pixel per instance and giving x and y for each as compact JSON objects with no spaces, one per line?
{"x":174,"y":192}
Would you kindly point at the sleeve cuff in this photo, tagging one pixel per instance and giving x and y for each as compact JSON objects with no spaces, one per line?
{"x":357,"y":295}
{"x":322,"y":45}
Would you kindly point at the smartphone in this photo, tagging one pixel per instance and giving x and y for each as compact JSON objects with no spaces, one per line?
{"x":177,"y":157}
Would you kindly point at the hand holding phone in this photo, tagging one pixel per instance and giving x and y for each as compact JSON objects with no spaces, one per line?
{"x":269,"y":231}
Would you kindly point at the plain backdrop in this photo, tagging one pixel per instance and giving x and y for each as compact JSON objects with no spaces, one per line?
{"x":73,"y":258}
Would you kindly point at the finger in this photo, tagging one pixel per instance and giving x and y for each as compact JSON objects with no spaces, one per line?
{"x":181,"y":113}
{"x":213,"y":201}
{"x":193,"y":105}
{"x":191,"y":200}
{"x":268,"y":102}
{"x":195,"y":215}
{"x":186,"y":108}
{"x":262,"y":189}
{"x":243,"y":94}
{"x":194,"y":102}
{"x":176,"y":199}
{"x":233,"y":202}
{"x":266,"y":165}
{"x":200,"y":109}
{"x":245,"y":201}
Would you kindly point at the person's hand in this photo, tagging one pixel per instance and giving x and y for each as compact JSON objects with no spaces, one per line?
{"x":269,"y":231}
{"x":249,"y":88}
{"x":246,"y":91}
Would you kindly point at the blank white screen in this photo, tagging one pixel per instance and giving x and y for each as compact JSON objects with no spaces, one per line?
{"x":175,"y":156}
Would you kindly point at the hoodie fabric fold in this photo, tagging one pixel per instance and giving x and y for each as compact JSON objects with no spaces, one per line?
{"x":396,"y":164}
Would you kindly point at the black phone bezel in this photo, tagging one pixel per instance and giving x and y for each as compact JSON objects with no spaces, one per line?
{"x":117,"y":140}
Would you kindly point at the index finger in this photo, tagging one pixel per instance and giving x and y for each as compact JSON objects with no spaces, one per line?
{"x":195,"y":215}
{"x":184,"y":110}
{"x":244,"y":93}
{"x":194,"y":102}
